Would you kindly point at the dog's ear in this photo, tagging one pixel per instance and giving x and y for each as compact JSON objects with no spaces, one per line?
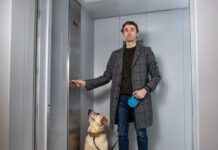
{"x":104,"y":120}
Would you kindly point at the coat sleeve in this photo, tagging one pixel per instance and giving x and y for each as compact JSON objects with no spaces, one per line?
{"x":103,"y":79}
{"x":153,"y":70}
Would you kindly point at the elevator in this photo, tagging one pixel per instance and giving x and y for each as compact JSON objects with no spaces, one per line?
{"x":41,"y":51}
{"x":83,"y":34}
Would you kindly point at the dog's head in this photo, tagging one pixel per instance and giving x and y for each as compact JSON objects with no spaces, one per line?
{"x":96,"y":120}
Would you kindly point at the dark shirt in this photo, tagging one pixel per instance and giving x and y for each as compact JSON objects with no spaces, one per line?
{"x":126,"y":82}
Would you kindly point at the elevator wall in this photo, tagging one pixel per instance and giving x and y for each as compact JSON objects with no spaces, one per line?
{"x":87,"y":71}
{"x":167,"y":33}
{"x":5,"y":47}
{"x":205,"y":72}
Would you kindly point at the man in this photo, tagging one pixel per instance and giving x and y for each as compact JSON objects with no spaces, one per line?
{"x":129,"y":68}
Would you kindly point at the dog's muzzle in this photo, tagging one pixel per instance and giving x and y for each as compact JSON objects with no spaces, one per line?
{"x":89,"y":111}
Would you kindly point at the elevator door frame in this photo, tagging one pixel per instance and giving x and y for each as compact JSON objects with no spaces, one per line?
{"x":43,"y":66}
{"x":43,"y":79}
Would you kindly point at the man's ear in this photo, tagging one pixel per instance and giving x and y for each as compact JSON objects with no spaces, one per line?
{"x":104,"y":120}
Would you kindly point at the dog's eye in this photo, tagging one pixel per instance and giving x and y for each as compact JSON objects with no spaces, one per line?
{"x":97,"y":113}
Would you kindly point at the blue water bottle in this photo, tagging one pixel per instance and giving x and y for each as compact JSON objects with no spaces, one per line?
{"x":133,"y":101}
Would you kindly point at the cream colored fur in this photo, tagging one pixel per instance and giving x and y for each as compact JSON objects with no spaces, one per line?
{"x":96,"y":124}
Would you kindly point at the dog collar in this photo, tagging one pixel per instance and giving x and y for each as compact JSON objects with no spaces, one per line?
{"x":96,"y":134}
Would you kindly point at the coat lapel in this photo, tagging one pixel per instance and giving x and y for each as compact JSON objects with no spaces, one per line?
{"x":136,"y":54}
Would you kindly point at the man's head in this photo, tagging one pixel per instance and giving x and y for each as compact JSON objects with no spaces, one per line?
{"x":130,"y":31}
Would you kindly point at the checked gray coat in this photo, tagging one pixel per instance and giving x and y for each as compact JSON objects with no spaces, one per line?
{"x":143,"y":65}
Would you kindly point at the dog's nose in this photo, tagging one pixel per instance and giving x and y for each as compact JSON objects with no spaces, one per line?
{"x":89,"y":111}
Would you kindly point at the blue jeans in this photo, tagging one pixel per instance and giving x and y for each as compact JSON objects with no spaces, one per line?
{"x":123,"y":113}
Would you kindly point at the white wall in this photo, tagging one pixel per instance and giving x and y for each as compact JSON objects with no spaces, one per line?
{"x":5,"y":50}
{"x":167,"y":32}
{"x":205,"y":73}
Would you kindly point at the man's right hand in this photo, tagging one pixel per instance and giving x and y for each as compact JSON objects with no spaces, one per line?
{"x":79,"y":83}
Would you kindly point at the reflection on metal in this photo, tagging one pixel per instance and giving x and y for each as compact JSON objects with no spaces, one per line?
{"x":74,"y":119}
{"x":74,"y":73}
{"x":43,"y":78}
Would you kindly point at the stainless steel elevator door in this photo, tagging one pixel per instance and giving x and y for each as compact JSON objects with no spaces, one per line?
{"x":74,"y":73}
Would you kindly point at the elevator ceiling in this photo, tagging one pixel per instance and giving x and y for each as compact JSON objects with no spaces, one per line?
{"x":110,"y":8}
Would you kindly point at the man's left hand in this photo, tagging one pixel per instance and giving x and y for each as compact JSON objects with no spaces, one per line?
{"x":140,"y":94}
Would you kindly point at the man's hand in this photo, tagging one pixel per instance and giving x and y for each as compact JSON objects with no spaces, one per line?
{"x":79,"y":83}
{"x":140,"y":94}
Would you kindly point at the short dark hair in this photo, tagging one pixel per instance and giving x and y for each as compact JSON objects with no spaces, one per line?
{"x":130,"y":23}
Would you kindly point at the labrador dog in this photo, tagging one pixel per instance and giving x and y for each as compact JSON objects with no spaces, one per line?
{"x":96,"y":138}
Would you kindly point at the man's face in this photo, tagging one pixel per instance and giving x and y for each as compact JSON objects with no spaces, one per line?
{"x":129,"y":32}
